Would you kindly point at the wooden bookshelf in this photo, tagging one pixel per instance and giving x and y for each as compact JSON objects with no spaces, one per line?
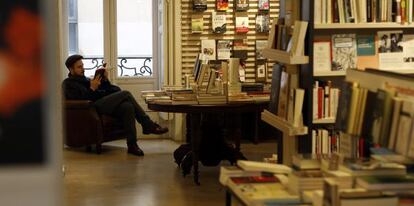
{"x":284,"y":57}
{"x":324,"y":121}
{"x":282,"y":124}
{"x":329,"y":73}
{"x":290,"y":134}
{"x":382,"y":25}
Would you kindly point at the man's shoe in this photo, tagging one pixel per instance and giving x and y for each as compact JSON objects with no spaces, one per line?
{"x":155,"y":129}
{"x":135,"y":150}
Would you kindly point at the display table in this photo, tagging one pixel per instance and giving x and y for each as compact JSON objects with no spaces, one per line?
{"x":194,"y":117}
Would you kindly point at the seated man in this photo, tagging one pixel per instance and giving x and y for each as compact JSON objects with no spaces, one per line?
{"x":109,"y":100}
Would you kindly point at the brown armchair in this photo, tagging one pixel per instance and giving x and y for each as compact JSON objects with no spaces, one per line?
{"x":85,"y":127}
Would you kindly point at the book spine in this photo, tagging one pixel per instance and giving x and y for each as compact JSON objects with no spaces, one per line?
{"x":398,"y":10}
{"x":369,"y":10}
{"x":315,"y":109}
{"x":403,"y":12}
{"x":335,"y":11}
{"x":320,"y":103}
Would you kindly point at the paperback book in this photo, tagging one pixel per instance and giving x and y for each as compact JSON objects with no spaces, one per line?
{"x":219,"y":23}
{"x":261,"y":70}
{"x":222,"y":5}
{"x":197,"y":24}
{"x":242,"y":23}
{"x":224,"y":49}
{"x":264,"y":5}
{"x":241,"y":5}
{"x":262,"y":23}
{"x":344,"y":51}
{"x":240,"y":48}
{"x":199,"y":5}
{"x":208,"y":48}
{"x":260,"y":45}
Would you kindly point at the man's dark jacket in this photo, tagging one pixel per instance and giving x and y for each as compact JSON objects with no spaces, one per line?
{"x":106,"y":98}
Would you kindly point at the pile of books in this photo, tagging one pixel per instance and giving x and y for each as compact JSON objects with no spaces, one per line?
{"x":209,"y":99}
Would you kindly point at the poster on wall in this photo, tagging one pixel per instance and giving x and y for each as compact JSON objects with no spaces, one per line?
{"x":22,"y":84}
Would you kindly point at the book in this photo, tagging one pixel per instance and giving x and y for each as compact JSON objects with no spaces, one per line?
{"x":298,"y":37}
{"x":264,"y":5}
{"x":261,"y":71}
{"x":366,"y":45}
{"x":208,"y":48}
{"x":240,"y":48}
{"x":241,"y":5}
{"x":283,"y":95}
{"x":264,"y":167}
{"x":364,"y":201}
{"x":298,"y":105}
{"x":219,"y":23}
{"x":199,"y":5}
{"x":197,"y":24}
{"x":372,"y":168}
{"x":226,"y":172}
{"x":343,"y":51}
{"x":262,"y":23}
{"x":255,"y":190}
{"x":386,"y":182}
{"x":275,"y":88}
{"x":224,"y":49}
{"x":321,"y":56}
{"x":260,"y":45}
{"x":222,"y":5}
{"x":306,"y":161}
{"x":241,"y":22}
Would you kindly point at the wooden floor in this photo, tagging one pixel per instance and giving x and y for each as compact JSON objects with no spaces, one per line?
{"x":115,"y":178}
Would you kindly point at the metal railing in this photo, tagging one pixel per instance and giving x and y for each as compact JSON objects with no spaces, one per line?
{"x":128,"y":66}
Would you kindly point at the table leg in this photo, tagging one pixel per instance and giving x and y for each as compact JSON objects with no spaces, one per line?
{"x":195,"y":143}
{"x":188,"y":127}
{"x":237,"y":133}
{"x":228,"y":198}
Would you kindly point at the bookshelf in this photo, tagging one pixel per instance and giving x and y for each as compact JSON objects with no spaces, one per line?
{"x":385,"y":25}
{"x":320,"y":30}
{"x":290,"y":135}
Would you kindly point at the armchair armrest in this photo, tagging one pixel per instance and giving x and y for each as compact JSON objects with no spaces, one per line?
{"x":77,"y":104}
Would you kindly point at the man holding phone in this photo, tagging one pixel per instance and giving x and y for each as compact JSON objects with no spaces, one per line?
{"x":109,"y":100}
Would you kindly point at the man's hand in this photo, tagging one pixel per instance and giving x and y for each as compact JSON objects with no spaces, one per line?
{"x":95,"y":83}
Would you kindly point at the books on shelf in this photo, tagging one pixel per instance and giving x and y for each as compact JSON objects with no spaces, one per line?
{"x":325,"y":100}
{"x":219,"y":22}
{"x":321,"y":56}
{"x":363,"y":11}
{"x":325,"y":141}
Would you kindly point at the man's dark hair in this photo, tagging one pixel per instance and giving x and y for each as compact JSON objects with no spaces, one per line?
{"x":70,"y":61}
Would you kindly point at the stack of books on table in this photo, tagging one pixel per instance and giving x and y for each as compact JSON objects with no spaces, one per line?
{"x":300,"y":181}
{"x":241,"y":97}
{"x":152,"y":95}
{"x":371,"y":168}
{"x":184,"y":99}
{"x":262,"y":190}
{"x":209,"y":99}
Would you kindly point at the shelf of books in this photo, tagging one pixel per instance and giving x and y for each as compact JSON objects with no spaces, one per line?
{"x":382,"y":25}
